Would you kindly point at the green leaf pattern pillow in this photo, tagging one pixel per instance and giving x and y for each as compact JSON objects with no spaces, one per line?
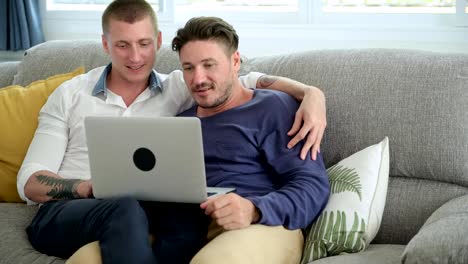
{"x":353,"y":214}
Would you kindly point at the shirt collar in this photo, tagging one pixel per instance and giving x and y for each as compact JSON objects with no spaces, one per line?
{"x":101,"y":87}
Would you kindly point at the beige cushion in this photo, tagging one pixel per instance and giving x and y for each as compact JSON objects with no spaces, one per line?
{"x":254,"y":244}
{"x":87,"y":254}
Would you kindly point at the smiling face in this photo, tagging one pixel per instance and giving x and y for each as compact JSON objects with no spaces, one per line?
{"x":209,"y":72}
{"x":132,"y":48}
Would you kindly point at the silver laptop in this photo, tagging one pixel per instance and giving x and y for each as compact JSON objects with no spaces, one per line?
{"x":149,"y":158}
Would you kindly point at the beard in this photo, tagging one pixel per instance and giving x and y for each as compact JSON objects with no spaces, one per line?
{"x":225,"y":94}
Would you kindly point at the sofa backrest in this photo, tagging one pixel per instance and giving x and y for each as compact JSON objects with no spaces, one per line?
{"x":8,"y":70}
{"x":418,"y":99}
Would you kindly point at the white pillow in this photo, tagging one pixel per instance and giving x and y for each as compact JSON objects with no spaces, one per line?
{"x":354,"y":210}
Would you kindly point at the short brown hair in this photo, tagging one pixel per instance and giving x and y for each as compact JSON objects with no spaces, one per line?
{"x":129,"y":11}
{"x":207,"y":28}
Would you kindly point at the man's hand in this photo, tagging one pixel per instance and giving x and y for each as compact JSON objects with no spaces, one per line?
{"x":85,"y":189}
{"x":231,"y":211}
{"x":312,"y":116}
{"x":310,"y":120}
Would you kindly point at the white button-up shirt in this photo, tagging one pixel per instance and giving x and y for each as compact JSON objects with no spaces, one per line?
{"x":59,"y":144}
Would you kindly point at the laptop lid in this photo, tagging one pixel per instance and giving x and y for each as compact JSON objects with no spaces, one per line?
{"x":149,"y":158}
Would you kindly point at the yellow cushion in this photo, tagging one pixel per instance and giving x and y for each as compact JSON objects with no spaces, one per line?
{"x":19,"y":109}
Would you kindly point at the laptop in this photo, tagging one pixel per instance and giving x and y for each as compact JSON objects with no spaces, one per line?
{"x":149,"y":158}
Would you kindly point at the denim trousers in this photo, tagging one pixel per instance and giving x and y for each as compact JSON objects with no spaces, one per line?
{"x":122,"y":227}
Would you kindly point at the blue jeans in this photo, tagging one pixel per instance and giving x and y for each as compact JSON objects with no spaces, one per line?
{"x":121,"y":225}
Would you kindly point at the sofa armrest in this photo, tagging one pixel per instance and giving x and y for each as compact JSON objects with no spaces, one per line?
{"x":7,"y":72}
{"x":444,"y":236}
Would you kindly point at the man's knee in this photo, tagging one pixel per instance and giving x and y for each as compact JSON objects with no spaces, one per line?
{"x":126,"y":210}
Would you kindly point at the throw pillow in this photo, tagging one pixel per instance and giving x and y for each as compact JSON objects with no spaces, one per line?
{"x":442,"y":238}
{"x":19,"y":109}
{"x":354,"y":210}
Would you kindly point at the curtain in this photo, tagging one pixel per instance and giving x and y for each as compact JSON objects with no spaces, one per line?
{"x":20,"y":24}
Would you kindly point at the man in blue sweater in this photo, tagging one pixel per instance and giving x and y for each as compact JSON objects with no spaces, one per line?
{"x":245,"y":139}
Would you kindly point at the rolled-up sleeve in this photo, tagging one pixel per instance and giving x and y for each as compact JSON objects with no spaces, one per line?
{"x":49,"y":143}
{"x":250,"y":80}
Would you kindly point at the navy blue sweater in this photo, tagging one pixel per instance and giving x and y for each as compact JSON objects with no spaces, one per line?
{"x":245,"y":148}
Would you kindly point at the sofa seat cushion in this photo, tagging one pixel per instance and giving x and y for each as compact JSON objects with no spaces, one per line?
{"x":14,"y":245}
{"x":375,"y":253}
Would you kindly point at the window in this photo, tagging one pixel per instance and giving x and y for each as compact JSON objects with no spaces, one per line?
{"x":362,"y":12}
{"x":390,"y":6}
{"x":92,"y":9}
{"x":406,"y":12}
{"x":252,"y":11}
{"x":181,"y":10}
{"x":85,"y":4}
{"x":439,"y":25}
{"x":241,"y":5}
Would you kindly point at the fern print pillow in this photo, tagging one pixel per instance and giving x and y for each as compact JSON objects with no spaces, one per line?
{"x":354,"y":210}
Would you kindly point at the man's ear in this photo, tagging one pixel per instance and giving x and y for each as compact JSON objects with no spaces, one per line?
{"x":159,"y":40}
{"x":105,"y":44}
{"x":236,"y":59}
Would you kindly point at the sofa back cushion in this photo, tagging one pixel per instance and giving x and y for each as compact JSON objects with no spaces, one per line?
{"x":418,"y":99}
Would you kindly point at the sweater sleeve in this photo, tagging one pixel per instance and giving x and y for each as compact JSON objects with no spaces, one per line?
{"x":303,"y":186}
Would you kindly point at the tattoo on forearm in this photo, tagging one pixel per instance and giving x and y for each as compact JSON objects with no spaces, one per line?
{"x":61,"y":188}
{"x":267,"y":80}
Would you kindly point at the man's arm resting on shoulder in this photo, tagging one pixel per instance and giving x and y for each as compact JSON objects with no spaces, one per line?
{"x":294,"y":88}
{"x":44,"y":186}
{"x":310,"y":120}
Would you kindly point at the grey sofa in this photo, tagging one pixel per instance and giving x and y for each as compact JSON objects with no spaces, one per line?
{"x":418,"y":99}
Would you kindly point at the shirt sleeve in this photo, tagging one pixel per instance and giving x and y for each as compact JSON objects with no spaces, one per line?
{"x":179,"y":92}
{"x":304,"y":186}
{"x":250,"y":80}
{"x":49,"y":143}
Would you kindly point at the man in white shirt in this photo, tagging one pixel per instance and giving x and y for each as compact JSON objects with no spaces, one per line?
{"x":55,"y":172}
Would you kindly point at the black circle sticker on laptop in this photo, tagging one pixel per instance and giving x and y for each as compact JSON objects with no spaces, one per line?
{"x":144,"y":159}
